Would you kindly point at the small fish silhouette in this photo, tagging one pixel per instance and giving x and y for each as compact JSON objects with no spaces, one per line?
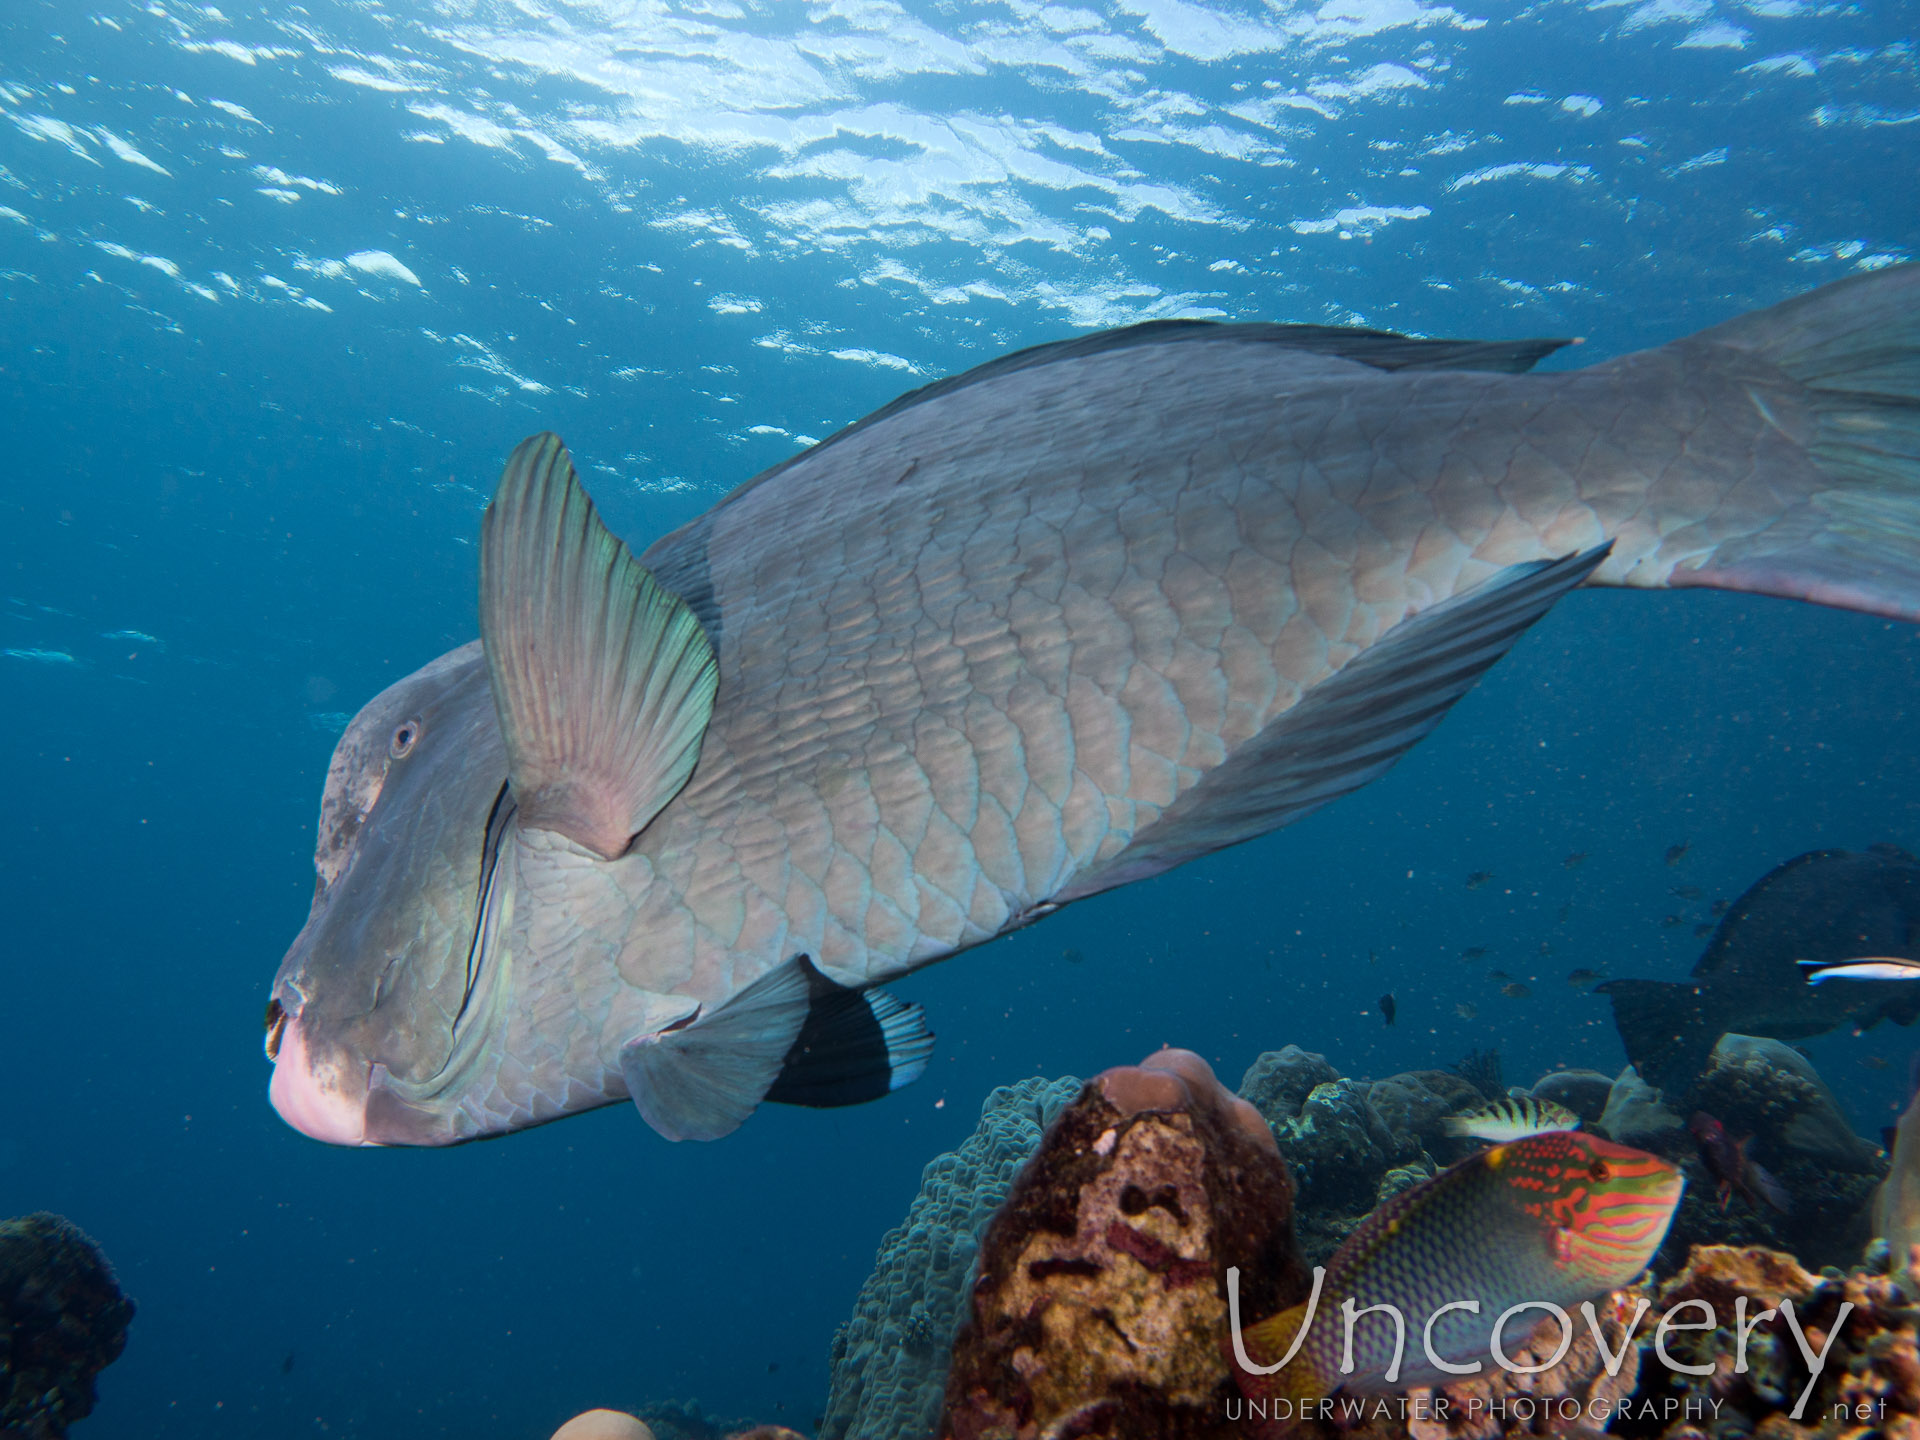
{"x":1466,"y":1011}
{"x":1498,"y":975}
{"x":1670,"y":921}
{"x":1582,"y":977}
{"x":1546,"y":948}
{"x":1677,"y":853}
{"x":1073,"y":956}
{"x":1473,"y":952}
{"x":1719,"y":907}
{"x":1874,"y":1062}
{"x":286,"y":1365}
{"x":1387,"y":1007}
{"x":1575,"y":860}
{"x":1705,"y":927}
{"x":1515,"y":991}
{"x":1686,"y":892}
{"x":1566,"y":913}
{"x":1478,"y":878}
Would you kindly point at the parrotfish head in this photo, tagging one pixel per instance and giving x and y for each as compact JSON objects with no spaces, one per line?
{"x":1608,"y":1206}
{"x":374,"y":1005}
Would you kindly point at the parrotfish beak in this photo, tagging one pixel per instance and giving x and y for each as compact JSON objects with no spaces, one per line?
{"x":326,"y":1103}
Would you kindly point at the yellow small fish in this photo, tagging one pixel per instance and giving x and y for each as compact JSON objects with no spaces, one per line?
{"x":1513,"y":1119}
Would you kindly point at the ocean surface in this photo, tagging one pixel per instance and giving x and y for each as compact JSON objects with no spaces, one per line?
{"x":281,"y":285}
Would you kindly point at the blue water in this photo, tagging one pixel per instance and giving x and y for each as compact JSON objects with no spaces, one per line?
{"x":280,"y":287}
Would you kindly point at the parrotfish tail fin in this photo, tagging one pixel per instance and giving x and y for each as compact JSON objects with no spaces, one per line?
{"x":1851,"y":538}
{"x":1265,"y":1343}
{"x":792,"y":1036}
{"x":603,"y":679}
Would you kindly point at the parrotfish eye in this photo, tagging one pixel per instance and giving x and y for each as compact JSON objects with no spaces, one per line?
{"x":405,"y":736}
{"x":1599,"y":1170}
{"x":276,"y":1027}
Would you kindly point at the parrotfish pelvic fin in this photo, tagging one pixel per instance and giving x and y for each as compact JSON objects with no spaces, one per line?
{"x":603,"y":680}
{"x":793,"y":1036}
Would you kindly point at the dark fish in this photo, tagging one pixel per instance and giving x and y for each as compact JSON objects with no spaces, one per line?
{"x":1478,"y":878}
{"x":1473,"y":952}
{"x":1703,"y":929}
{"x":1065,"y":622}
{"x":1559,"y":1217}
{"x":286,"y":1365}
{"x":1582,"y":977}
{"x":1677,"y":853}
{"x":1073,"y":955}
{"x":1686,"y":892}
{"x":1875,"y":1062}
{"x":1733,"y":1173}
{"x":1387,"y":1007}
{"x":1575,"y":860}
{"x":1829,"y":905}
{"x":1670,"y":922}
{"x":1515,"y":991}
{"x":1465,"y":1010}
{"x":1498,"y":975}
{"x":1565,"y":914}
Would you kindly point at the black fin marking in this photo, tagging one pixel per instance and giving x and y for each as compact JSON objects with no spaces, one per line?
{"x":856,"y":1045}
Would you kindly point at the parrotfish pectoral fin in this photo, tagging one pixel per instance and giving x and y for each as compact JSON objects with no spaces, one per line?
{"x":1353,"y":727}
{"x":792,"y":1036}
{"x":604,"y":680}
{"x":1867,"y":967}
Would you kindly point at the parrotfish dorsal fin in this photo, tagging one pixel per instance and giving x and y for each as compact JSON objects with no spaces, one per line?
{"x":603,"y":680}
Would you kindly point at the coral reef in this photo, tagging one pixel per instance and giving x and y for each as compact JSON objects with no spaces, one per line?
{"x":1870,"y":1379}
{"x":1101,"y":1300}
{"x":1279,"y":1082}
{"x":62,"y":1321}
{"x":1768,"y":1094}
{"x":889,"y":1361}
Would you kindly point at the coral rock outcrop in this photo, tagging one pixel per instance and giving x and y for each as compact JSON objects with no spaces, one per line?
{"x":1101,"y":1301}
{"x":62,"y":1321}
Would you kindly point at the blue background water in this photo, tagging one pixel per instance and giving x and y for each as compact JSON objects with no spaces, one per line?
{"x":686,"y":236}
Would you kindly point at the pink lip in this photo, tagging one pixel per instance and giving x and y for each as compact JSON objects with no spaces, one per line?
{"x":315,"y":1105}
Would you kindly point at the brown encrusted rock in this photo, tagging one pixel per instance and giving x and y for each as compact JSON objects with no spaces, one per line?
{"x":1871,"y":1379}
{"x":1100,"y":1307}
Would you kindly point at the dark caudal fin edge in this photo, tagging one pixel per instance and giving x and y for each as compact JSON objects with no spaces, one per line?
{"x":1854,"y":347}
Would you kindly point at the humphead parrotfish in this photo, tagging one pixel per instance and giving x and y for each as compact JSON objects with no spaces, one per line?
{"x":1828,"y":907}
{"x":1557,"y":1218}
{"x":1059,"y":623}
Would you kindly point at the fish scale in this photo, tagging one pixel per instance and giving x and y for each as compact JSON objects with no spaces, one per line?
{"x":1557,"y":1218}
{"x":1049,"y":628}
